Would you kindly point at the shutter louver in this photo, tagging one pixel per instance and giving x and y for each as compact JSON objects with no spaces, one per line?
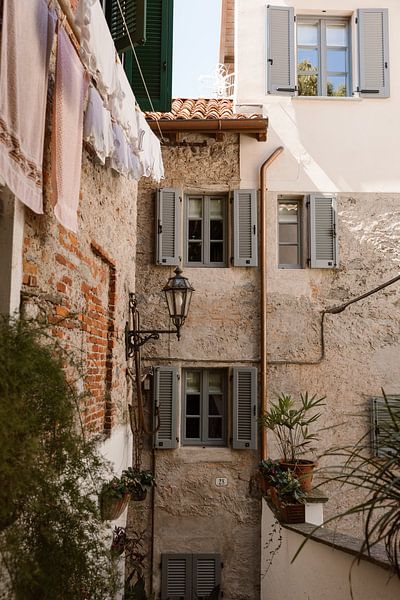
{"x":206,"y":575}
{"x":280,"y":51}
{"x":323,"y":232}
{"x":168,"y":227}
{"x":155,"y":59}
{"x":176,"y":573}
{"x":373,"y":52}
{"x":165,"y":396}
{"x":383,"y":426}
{"x":245,"y":408}
{"x":245,"y":228}
{"x":134,"y":17}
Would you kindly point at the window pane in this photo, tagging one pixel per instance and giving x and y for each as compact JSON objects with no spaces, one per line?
{"x":215,"y":428}
{"x":288,"y":233}
{"x":215,"y":381}
{"x":307,"y":59}
{"x":216,"y":207}
{"x":288,"y":255}
{"x":193,"y":427}
{"x":216,"y":230}
{"x":215,"y":405}
{"x":195,"y":207}
{"x":336,"y":60}
{"x":336,"y":35}
{"x":337,"y":85}
{"x":192,"y":404}
{"x":307,"y":34}
{"x":194,"y":252}
{"x":216,"y":252}
{"x":193,"y":381}
{"x":288,"y":212}
{"x":307,"y":85}
{"x":195,"y":230}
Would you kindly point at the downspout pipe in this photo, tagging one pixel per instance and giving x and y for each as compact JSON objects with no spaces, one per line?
{"x":263,"y":291}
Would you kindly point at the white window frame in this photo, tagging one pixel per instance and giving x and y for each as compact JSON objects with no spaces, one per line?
{"x":205,"y":238}
{"x":300,"y":244}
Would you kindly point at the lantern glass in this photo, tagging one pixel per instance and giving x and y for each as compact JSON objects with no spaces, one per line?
{"x":178,"y":294}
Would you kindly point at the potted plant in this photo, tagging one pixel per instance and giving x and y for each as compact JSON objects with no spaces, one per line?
{"x":288,"y":497}
{"x":267,"y":470}
{"x":114,"y":498}
{"x":138,"y":482}
{"x":290,"y":423}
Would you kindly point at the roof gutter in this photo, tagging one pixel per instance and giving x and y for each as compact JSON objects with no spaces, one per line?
{"x":251,"y":126}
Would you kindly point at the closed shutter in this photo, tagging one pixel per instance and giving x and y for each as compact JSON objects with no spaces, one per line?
{"x":245,"y":228}
{"x":385,"y":425}
{"x":245,"y":408}
{"x":206,"y":576}
{"x":280,"y":51}
{"x":176,"y":577}
{"x":155,"y":59}
{"x":373,"y":52}
{"x":168,"y":227}
{"x":133,"y":18}
{"x":323,"y":232}
{"x":165,"y":399}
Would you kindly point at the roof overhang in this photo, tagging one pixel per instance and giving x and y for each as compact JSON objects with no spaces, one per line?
{"x":215,"y":127}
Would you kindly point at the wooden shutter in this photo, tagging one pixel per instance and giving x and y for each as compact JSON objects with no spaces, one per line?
{"x":206,"y":576}
{"x":280,"y":51}
{"x":383,"y":427}
{"x":155,"y":59}
{"x":323,"y":232}
{"x":245,"y":228}
{"x":373,"y":52}
{"x":165,"y":399}
{"x":176,"y":576}
{"x":245,"y":408}
{"x":133,"y":15}
{"x":168,"y":227}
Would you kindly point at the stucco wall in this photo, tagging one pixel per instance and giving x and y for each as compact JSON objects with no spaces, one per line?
{"x":192,"y":514}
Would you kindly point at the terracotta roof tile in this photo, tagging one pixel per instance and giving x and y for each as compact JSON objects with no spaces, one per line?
{"x":201,"y":108}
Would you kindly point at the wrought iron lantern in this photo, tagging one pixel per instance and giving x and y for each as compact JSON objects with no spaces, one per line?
{"x":178,"y":294}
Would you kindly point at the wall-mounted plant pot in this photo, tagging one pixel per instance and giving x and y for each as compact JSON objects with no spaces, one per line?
{"x":303,"y":470}
{"x":292,"y":513}
{"x":112,"y":508}
{"x":139,"y":495}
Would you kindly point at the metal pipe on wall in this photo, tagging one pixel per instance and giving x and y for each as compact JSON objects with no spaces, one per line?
{"x":263,"y":292}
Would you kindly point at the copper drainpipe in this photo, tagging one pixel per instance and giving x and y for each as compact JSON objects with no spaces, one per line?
{"x":263,"y":307}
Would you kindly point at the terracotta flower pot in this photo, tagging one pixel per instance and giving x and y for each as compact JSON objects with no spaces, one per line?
{"x":303,"y":470}
{"x":139,"y":495}
{"x":112,"y":508}
{"x":292,"y":513}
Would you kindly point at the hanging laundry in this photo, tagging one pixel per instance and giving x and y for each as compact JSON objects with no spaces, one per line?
{"x":26,"y":41}
{"x":97,"y":126}
{"x":123,"y":160}
{"x":70,"y":91}
{"x":124,"y":112}
{"x":149,"y":150}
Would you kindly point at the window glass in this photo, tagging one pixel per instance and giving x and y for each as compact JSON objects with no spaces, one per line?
{"x":289,"y":239}
{"x":307,"y":34}
{"x":204,"y":407}
{"x":195,"y":207}
{"x":336,"y":35}
{"x":205,"y":230}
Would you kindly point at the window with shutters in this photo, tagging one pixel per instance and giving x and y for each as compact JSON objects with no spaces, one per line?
{"x":307,"y":232}
{"x":205,"y":230}
{"x":204,"y":407}
{"x":190,"y":576}
{"x":385,"y":415}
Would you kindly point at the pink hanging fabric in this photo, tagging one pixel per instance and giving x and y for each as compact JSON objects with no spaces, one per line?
{"x":26,"y":41}
{"x":66,"y":156}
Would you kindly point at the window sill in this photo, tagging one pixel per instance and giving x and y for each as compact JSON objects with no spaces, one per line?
{"x":328,"y":98}
{"x":196,"y":454}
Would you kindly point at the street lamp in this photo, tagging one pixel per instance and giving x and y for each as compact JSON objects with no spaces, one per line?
{"x":178,"y":294}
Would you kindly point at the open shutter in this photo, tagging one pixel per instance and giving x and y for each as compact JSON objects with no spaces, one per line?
{"x":280,"y":51}
{"x":383,"y":428}
{"x":323,"y":232}
{"x":245,"y":408}
{"x":133,"y":16}
{"x":168,"y":227}
{"x":165,"y":399}
{"x":176,"y":576}
{"x":155,"y":59}
{"x":206,"y":576}
{"x":373,"y":52}
{"x":245,"y":228}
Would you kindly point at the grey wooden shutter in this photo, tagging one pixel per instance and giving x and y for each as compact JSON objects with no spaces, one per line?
{"x":245,"y":408}
{"x":280,"y":51}
{"x":383,"y":427}
{"x":165,"y":399}
{"x":323,"y":232}
{"x":176,"y":576}
{"x":133,"y":15}
{"x":245,"y":243}
{"x":373,"y":52}
{"x":168,"y":227}
{"x":206,"y":576}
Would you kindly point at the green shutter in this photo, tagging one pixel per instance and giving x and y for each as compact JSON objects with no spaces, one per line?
{"x":155,"y":59}
{"x":133,"y":16}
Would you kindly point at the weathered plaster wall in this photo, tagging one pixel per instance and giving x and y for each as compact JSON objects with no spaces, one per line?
{"x":191,"y":513}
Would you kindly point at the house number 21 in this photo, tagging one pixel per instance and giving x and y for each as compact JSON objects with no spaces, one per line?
{"x":221,"y":481}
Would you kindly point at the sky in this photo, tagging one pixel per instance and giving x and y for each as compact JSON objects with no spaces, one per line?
{"x":196,"y":46}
